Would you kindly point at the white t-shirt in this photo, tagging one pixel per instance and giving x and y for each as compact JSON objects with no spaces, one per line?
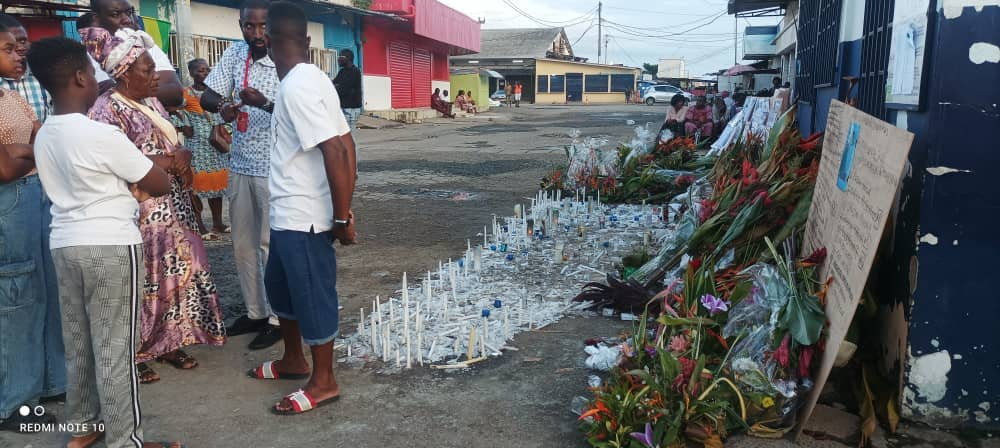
{"x":160,"y":58}
{"x":84,"y":166}
{"x":306,"y":113}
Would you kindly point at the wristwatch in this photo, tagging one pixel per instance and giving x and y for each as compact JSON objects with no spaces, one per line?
{"x":268,"y":106}
{"x":341,"y":222}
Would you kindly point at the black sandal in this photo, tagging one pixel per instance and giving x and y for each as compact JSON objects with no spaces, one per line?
{"x":146,"y":374}
{"x":179,"y":359}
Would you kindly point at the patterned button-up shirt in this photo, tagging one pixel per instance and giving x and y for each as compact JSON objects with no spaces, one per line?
{"x":31,"y":90}
{"x":250,"y":150}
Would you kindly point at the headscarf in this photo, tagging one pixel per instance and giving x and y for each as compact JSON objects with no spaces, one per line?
{"x":116,"y":53}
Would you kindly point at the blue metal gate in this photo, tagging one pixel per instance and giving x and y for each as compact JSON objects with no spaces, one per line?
{"x":574,"y":87}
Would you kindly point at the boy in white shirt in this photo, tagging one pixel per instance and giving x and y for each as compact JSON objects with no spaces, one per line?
{"x":312,"y":176}
{"x":87,"y":168}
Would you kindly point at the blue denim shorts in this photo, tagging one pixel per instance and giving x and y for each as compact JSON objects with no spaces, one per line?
{"x":301,"y":282}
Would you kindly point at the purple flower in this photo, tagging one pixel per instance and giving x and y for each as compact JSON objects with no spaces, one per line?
{"x":646,"y":438}
{"x":650,"y":350}
{"x":713,"y":304}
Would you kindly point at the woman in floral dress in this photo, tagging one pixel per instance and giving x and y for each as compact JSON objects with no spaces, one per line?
{"x":180,"y":304}
{"x":211,"y":166}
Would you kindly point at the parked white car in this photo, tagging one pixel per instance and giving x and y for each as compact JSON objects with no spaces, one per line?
{"x":662,"y":93}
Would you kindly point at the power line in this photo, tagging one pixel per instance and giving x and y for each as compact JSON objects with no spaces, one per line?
{"x":615,"y":40}
{"x":583,"y":34}
{"x":673,"y":26}
{"x":551,"y":23}
{"x":640,"y":34}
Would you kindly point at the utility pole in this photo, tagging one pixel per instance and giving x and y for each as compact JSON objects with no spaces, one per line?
{"x":599,"y":20}
{"x":736,"y":36}
{"x":607,"y":37}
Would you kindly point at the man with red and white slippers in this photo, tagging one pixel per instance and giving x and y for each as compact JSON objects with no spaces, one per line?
{"x":313,"y":172}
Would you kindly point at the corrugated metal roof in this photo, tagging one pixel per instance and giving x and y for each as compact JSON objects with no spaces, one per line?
{"x":524,"y":43}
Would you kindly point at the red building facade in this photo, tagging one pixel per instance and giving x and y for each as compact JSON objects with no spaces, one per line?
{"x":407,"y":58}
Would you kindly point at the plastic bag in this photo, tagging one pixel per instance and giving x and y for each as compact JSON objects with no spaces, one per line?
{"x":602,"y":357}
{"x":642,"y":143}
{"x":751,"y":362}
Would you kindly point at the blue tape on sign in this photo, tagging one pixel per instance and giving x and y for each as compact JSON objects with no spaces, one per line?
{"x":847,"y":158}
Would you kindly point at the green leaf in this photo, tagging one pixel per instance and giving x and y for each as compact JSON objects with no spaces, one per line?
{"x":691,"y":321}
{"x":804,"y":319}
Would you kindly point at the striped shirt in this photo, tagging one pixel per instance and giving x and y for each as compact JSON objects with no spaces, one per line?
{"x":31,"y":90}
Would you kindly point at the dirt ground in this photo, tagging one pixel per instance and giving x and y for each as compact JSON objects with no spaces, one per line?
{"x":423,"y":190}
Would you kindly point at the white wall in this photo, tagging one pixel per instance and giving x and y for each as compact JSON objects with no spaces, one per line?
{"x":852,"y":20}
{"x":443,"y":85}
{"x":377,"y":91}
{"x":219,"y":21}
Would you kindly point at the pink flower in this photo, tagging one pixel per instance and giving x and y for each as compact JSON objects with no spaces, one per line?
{"x":805,"y":360}
{"x":679,"y":344}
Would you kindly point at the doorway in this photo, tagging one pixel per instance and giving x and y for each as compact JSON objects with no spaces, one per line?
{"x":574,"y":87}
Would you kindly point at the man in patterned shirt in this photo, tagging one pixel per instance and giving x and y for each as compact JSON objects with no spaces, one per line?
{"x":242,"y":87}
{"x":26,"y":86}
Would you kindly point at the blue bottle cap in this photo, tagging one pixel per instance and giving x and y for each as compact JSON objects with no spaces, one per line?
{"x":493,"y":247}
{"x":510,"y":257}
{"x":497,"y":303}
{"x":486,"y":313}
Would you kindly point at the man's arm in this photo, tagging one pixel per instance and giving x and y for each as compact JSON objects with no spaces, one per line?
{"x":16,"y":160}
{"x":340,"y":160}
{"x":155,"y":183}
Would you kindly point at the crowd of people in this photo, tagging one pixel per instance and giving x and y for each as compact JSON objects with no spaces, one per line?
{"x":105,"y":160}
{"x":710,"y":114}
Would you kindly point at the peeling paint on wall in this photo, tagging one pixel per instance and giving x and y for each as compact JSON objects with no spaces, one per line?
{"x":929,"y":239}
{"x":929,"y":375}
{"x":942,"y":170}
{"x":983,"y":52}
{"x":953,"y":8}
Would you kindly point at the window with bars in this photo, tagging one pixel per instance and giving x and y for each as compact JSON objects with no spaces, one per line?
{"x":875,"y":44}
{"x":595,"y":83}
{"x":806,"y":49}
{"x":543,"y":84}
{"x":557,"y":83}
{"x":818,"y":39}
{"x":827,"y":40}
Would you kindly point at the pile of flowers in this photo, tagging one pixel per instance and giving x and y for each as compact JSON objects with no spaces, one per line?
{"x":729,"y":342}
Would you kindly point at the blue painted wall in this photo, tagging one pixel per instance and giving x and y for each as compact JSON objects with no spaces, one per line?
{"x":342,"y":31}
{"x":947,"y":291}
{"x":955,"y":303}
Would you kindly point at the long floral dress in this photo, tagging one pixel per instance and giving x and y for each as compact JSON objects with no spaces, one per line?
{"x":180,"y":305}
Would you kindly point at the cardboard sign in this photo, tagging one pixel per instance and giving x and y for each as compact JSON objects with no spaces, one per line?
{"x":862,"y":164}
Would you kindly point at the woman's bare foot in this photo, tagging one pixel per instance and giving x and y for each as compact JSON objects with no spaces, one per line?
{"x":85,"y":441}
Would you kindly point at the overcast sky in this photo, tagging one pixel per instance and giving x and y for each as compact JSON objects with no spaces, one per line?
{"x":648,"y":31}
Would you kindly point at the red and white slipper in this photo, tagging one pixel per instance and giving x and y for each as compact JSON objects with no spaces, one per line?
{"x":266,"y":371}
{"x":301,"y":402}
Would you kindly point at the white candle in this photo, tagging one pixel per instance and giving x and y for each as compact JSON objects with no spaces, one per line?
{"x":406,"y":320}
{"x":420,"y":339}
{"x":484,"y":237}
{"x":372,"y":339}
{"x":361,"y":323}
{"x":385,"y":344}
{"x":486,"y":335}
{"x":517,"y":210}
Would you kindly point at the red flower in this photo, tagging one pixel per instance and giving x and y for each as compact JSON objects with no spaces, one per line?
{"x":695,"y":263}
{"x":815,"y":258}
{"x":687,"y":368}
{"x":707,"y":210}
{"x":684,"y":180}
{"x":781,"y":354}
{"x":764,"y":197}
{"x":805,"y":360}
{"x":750,"y":174}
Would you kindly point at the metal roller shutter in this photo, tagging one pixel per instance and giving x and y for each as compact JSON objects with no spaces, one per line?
{"x":421,"y":78}
{"x":400,"y":72}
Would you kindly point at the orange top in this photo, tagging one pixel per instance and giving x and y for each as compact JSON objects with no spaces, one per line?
{"x":517,"y":88}
{"x":192,"y":103}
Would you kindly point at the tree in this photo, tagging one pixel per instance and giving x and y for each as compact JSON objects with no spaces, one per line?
{"x":650,"y":68}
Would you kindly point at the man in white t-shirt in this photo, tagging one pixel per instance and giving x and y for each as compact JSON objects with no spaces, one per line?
{"x":313,"y":166}
{"x":87,"y":168}
{"x":114,"y":15}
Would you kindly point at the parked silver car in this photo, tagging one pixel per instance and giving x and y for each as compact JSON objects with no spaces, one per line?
{"x":662,"y":93}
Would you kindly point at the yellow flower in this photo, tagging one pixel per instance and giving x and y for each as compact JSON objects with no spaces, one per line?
{"x":767,"y":402}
